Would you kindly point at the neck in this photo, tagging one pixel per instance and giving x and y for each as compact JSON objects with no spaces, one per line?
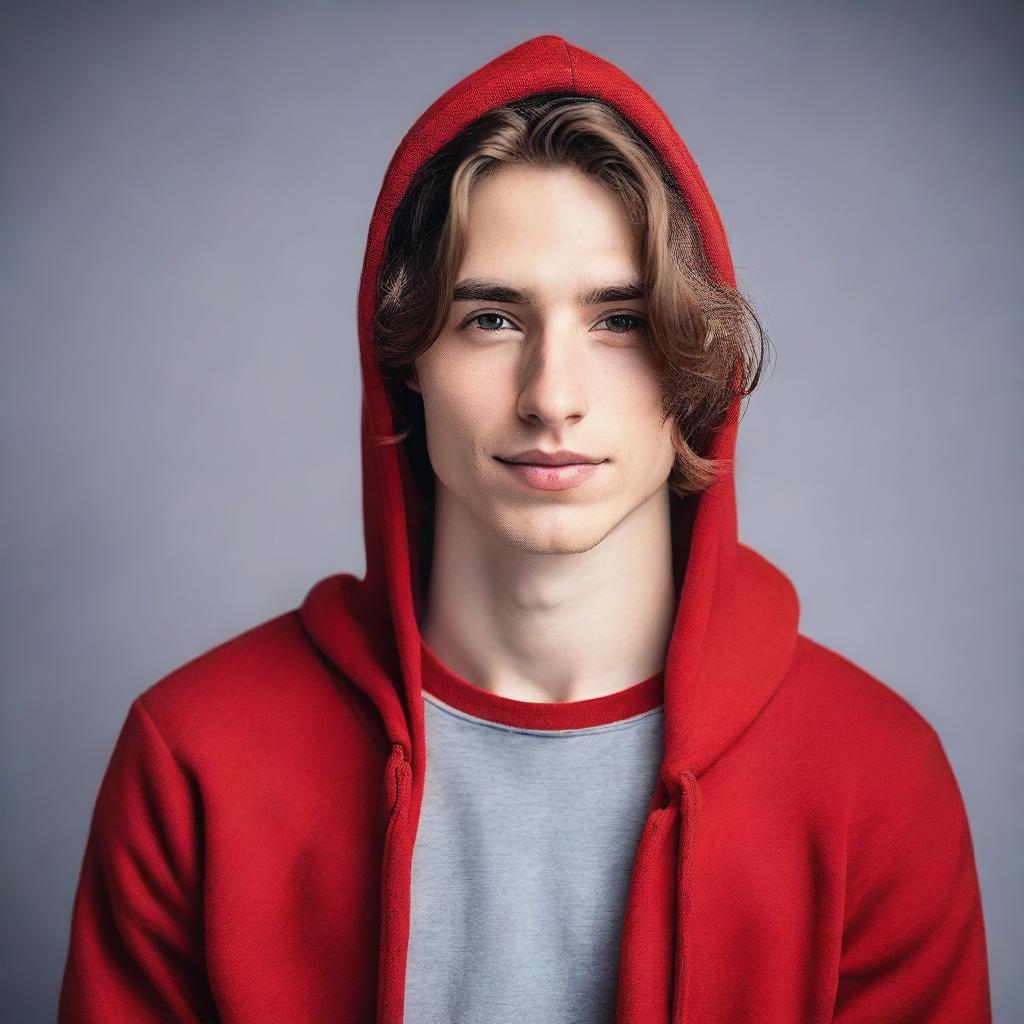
{"x":549,"y":622}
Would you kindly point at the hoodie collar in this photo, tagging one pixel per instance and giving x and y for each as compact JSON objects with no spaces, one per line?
{"x":735,"y":627}
{"x":441,"y":681}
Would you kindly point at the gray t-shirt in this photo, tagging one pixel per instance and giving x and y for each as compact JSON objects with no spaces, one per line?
{"x":524,"y":852}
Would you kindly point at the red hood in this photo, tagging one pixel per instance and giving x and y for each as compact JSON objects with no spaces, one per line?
{"x":735,"y":627}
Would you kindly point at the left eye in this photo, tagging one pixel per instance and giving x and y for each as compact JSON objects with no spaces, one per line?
{"x":489,"y":316}
{"x":632,"y":323}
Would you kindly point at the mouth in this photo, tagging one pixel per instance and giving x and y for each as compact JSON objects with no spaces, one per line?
{"x":552,"y":478}
{"x":549,"y":465}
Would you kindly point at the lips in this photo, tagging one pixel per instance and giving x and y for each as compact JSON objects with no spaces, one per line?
{"x":537,"y":457}
{"x":553,"y":478}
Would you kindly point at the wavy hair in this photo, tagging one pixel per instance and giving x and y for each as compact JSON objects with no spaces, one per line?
{"x":708,"y":343}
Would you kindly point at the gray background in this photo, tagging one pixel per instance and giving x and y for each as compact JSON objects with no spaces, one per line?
{"x":185,"y":195}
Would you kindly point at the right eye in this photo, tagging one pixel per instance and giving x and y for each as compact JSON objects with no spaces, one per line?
{"x":489,"y":317}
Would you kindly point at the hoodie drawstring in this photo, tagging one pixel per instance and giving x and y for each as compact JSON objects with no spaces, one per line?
{"x":398,"y":783}
{"x":687,"y":798}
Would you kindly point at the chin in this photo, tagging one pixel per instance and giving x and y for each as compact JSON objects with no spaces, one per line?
{"x":541,"y":533}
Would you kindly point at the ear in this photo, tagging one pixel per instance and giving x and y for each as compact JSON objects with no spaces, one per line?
{"x":413,"y":383}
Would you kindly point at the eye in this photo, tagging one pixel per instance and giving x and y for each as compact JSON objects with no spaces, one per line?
{"x":473,"y":321}
{"x":632,"y":323}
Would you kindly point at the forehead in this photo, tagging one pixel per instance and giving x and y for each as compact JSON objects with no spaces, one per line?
{"x":555,"y":225}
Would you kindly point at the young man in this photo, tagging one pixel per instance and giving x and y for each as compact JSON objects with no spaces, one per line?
{"x":562,"y":754}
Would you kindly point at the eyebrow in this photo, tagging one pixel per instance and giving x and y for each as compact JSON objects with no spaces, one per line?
{"x":475,"y":289}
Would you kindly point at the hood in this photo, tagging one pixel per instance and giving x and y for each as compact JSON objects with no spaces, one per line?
{"x":735,"y":627}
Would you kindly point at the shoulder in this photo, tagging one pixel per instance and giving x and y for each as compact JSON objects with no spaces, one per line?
{"x":266,"y":685}
{"x":232,"y":669}
{"x":865,"y":756}
{"x":844,"y":699}
{"x":864,"y":747}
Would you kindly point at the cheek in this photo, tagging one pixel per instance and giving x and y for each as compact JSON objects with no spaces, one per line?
{"x":635,"y":393}
{"x":636,"y":402}
{"x":457,"y":408}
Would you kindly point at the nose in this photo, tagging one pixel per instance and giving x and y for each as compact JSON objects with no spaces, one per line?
{"x":552,"y":387}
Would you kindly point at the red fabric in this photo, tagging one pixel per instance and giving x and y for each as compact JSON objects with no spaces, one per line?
{"x":806,"y":856}
{"x":444,"y":683}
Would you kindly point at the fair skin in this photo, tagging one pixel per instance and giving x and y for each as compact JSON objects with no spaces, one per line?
{"x":542,"y":595}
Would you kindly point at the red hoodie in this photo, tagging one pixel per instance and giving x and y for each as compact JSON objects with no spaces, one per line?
{"x":806,"y":855}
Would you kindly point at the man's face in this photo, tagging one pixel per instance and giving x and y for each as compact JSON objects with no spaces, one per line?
{"x":507,"y":376}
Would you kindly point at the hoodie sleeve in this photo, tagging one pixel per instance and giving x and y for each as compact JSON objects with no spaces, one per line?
{"x":136,"y":950}
{"x":913,"y":945}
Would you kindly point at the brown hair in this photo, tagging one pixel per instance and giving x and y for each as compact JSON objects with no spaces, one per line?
{"x":699,"y":329}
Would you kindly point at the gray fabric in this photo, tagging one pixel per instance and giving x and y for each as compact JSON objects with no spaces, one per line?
{"x":521,"y":867}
